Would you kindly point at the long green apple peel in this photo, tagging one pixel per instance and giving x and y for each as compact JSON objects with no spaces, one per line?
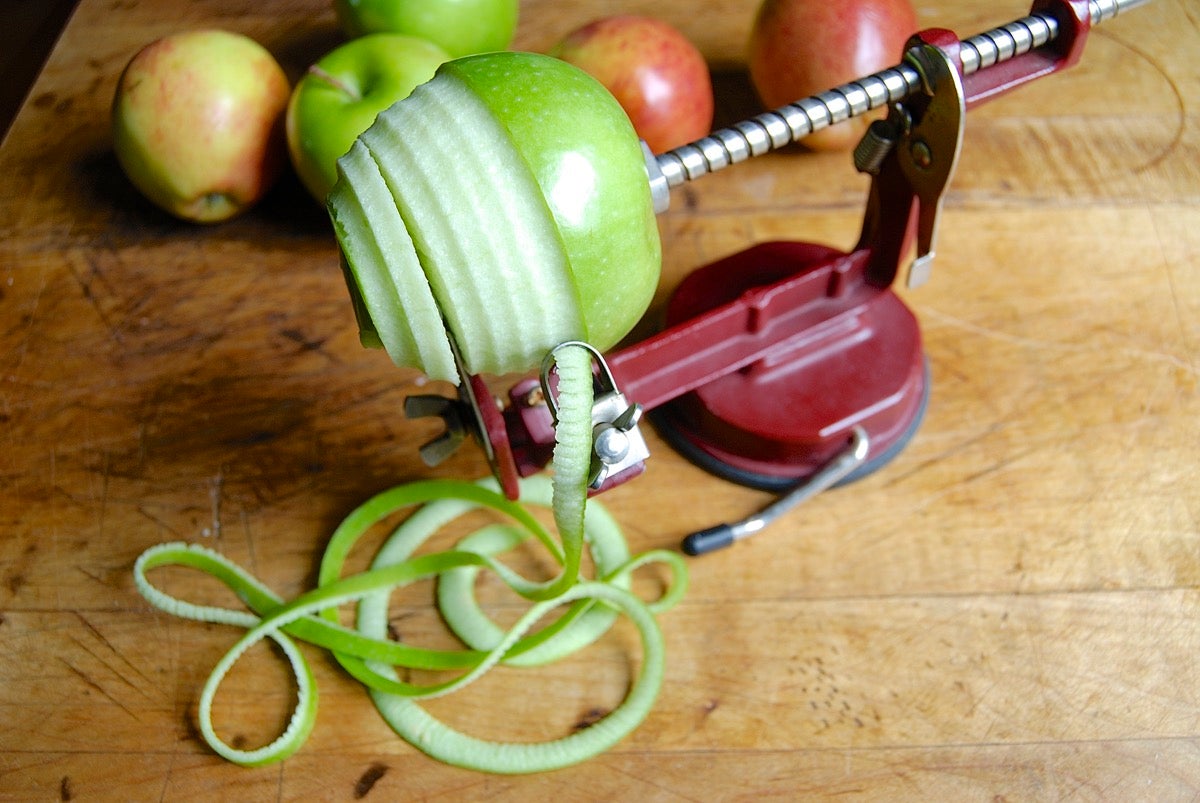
{"x":586,"y":608}
{"x":371,"y":657}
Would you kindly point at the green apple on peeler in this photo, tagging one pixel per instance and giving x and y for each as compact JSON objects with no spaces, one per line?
{"x":503,"y":204}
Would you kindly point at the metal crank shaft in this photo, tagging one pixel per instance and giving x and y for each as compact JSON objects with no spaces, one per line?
{"x":791,"y":123}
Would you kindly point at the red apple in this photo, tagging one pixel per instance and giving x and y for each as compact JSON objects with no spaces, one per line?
{"x":197,"y":123}
{"x":656,"y":74}
{"x":801,"y":47}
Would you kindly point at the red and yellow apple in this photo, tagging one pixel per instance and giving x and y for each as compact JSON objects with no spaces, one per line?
{"x":340,"y":96}
{"x":460,"y":27}
{"x":197,"y":123}
{"x":504,"y":206}
{"x":656,"y":74}
{"x":799,"y":48}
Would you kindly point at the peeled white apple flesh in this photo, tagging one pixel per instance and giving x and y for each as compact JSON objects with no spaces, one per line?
{"x":484,"y":233}
{"x":392,"y":288}
{"x":467,"y":213}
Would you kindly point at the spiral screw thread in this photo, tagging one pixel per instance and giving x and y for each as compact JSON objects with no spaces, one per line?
{"x":787,"y":124}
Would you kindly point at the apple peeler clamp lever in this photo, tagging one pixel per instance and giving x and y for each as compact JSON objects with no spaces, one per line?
{"x":789,"y":366}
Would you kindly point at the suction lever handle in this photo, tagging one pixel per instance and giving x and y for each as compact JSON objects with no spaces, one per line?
{"x":833,"y":472}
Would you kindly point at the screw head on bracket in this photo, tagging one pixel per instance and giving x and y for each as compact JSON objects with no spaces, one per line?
{"x":921,"y":154}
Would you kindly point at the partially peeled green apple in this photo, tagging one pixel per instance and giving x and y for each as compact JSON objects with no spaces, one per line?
{"x":503,"y":205}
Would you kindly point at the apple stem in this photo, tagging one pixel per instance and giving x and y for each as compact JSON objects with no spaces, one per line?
{"x":335,"y":82}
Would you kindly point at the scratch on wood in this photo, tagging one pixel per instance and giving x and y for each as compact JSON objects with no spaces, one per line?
{"x":118,"y":653}
{"x":245,"y":520}
{"x":1054,"y":346}
{"x":306,"y":344}
{"x":215,"y":487}
{"x":954,"y":449}
{"x":160,"y":522}
{"x":91,"y":575}
{"x":96,"y":272}
{"x":87,"y":679}
{"x":141,"y":444}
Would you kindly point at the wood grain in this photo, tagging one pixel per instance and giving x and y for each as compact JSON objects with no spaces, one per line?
{"x":1010,"y":610}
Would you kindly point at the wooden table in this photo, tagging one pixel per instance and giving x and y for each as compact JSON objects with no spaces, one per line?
{"x":1009,"y":610}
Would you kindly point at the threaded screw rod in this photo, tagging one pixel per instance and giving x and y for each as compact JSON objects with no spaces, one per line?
{"x":775,"y":129}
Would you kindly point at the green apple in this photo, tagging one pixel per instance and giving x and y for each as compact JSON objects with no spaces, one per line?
{"x":460,"y":27}
{"x":197,"y":123}
{"x":508,"y":195}
{"x":342,"y":93}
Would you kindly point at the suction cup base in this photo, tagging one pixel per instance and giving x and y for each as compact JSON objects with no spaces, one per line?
{"x":778,"y":482}
{"x":847,"y":355}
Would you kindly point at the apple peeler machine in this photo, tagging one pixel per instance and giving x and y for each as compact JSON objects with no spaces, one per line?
{"x":789,"y":366}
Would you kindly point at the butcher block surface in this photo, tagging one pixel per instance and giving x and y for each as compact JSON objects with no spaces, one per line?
{"x":1010,"y":610}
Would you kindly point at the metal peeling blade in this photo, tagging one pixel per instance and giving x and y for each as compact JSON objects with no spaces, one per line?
{"x":450,"y":411}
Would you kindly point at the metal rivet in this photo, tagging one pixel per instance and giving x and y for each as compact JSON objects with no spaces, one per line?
{"x":611,"y":445}
{"x":922,"y":156}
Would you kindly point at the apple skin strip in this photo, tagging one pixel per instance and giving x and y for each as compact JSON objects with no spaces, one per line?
{"x":270,"y":617}
{"x":586,"y":608}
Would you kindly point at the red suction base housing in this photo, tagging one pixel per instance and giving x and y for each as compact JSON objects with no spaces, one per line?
{"x":849,"y":355}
